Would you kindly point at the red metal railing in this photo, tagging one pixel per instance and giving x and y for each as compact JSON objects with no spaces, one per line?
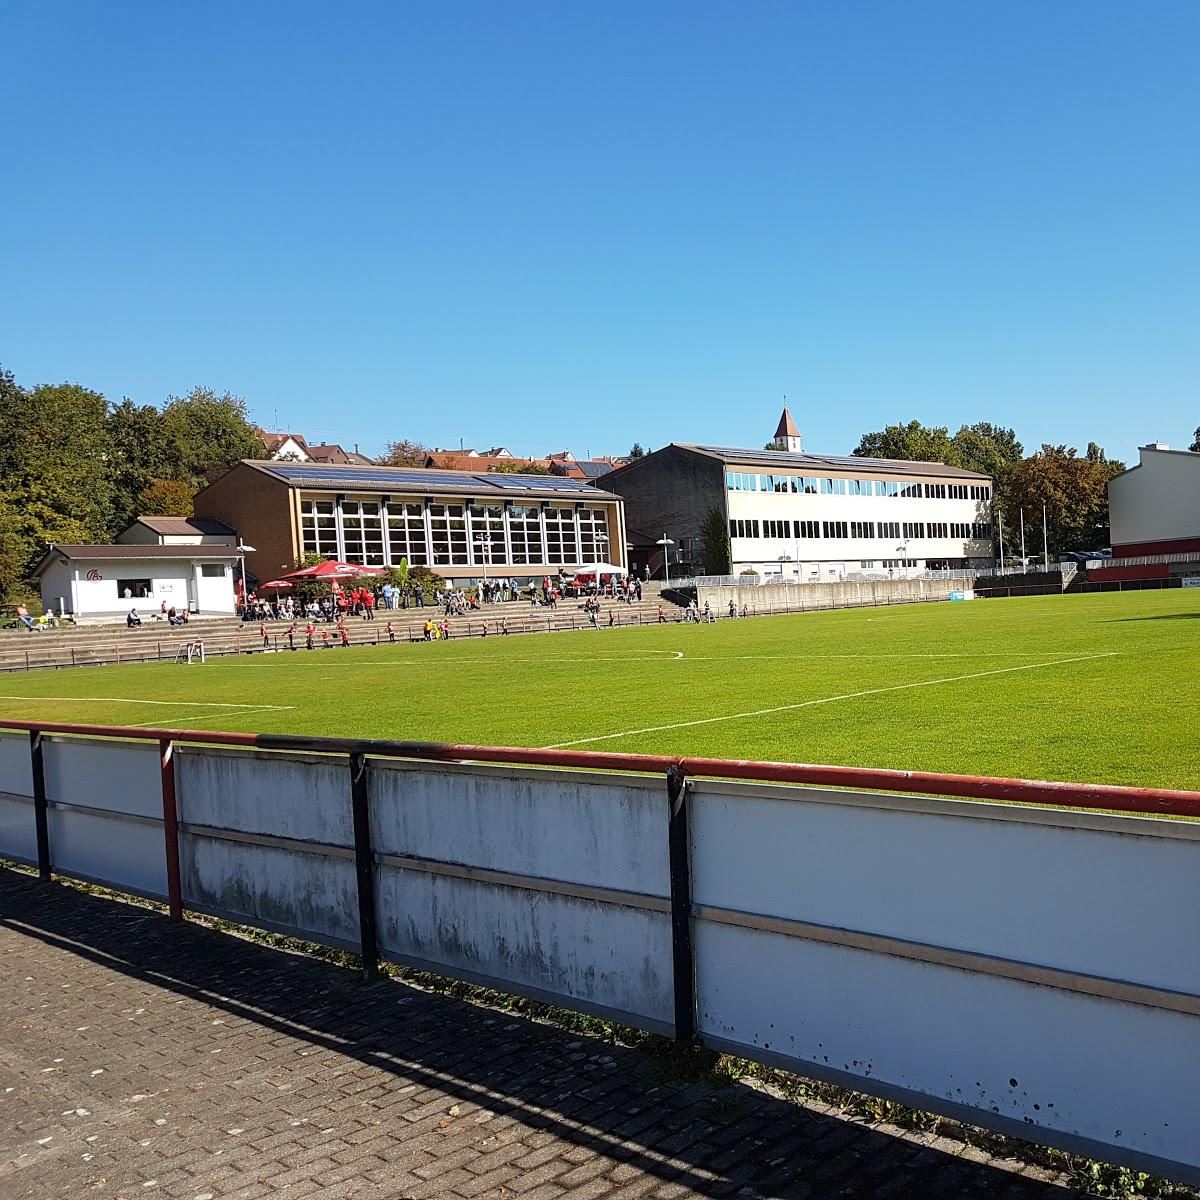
{"x":1153,"y":801}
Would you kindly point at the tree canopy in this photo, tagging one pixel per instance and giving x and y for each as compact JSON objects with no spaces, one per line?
{"x":404,"y":453}
{"x":1074,"y":490}
{"x":74,"y":468}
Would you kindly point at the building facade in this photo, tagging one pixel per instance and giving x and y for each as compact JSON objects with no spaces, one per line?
{"x":1154,"y":508}
{"x":106,"y":581}
{"x":460,"y":524}
{"x":808,"y":517}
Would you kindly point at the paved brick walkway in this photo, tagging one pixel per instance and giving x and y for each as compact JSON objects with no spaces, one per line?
{"x":140,"y":1059}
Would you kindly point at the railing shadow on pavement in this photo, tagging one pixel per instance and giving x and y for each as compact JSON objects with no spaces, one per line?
{"x":686,"y":1133}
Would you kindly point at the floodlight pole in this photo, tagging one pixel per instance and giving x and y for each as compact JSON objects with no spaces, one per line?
{"x":666,"y":543}
{"x":243,"y":550}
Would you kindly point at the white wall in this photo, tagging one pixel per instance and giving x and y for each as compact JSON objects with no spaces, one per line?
{"x":1158,"y":500}
{"x":174,"y":582}
{"x":991,"y":962}
{"x":818,"y":554}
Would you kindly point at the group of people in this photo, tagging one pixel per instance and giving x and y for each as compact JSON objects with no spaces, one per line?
{"x":172,"y":616}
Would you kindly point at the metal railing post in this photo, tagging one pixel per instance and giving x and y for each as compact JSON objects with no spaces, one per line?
{"x":166,"y":762}
{"x":364,"y":863}
{"x":682,"y":958}
{"x":40,"y":819}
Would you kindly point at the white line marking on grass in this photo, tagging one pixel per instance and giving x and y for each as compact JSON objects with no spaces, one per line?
{"x":165,"y":703}
{"x":244,"y":709}
{"x":763,"y":712}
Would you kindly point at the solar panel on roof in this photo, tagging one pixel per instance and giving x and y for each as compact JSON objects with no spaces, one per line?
{"x":419,"y":479}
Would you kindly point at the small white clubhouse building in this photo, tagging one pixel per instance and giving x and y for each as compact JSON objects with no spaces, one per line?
{"x":105,"y":582}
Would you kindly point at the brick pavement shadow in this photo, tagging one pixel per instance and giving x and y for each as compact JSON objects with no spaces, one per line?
{"x":704,"y":1139}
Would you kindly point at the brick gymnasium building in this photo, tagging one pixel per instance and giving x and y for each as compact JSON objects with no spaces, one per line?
{"x":809,"y":516}
{"x":459,"y":523}
{"x":1154,"y":509}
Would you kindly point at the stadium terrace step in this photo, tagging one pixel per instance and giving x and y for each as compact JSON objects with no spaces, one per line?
{"x":73,"y":646}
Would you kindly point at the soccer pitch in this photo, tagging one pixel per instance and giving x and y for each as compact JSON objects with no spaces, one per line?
{"x":1096,"y":688}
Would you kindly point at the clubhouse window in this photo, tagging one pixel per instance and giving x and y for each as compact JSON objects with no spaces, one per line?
{"x":560,"y":535}
{"x":448,"y":523}
{"x":777,"y":529}
{"x":593,"y":526}
{"x":525,"y":532}
{"x":362,"y":532}
{"x":980,"y":492}
{"x":406,"y":534}
{"x":937,"y":529}
{"x":318,"y":528}
{"x":487,"y":534}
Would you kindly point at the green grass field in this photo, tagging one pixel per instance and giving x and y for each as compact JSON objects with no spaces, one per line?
{"x":1099,"y":688}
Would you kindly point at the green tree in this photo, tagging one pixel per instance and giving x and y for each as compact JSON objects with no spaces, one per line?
{"x":716,"y":552}
{"x":1195,"y":446}
{"x":139,"y":456}
{"x":203,"y":430}
{"x":516,"y":467}
{"x":166,"y":498}
{"x":636,"y":451}
{"x":1074,"y":490}
{"x":913,"y":442}
{"x":55,"y":482}
{"x":404,"y":453}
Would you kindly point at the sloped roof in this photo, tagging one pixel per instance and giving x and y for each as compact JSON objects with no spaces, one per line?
{"x":837,"y":462}
{"x":333,"y":453}
{"x":86,"y":552}
{"x":786,"y":427}
{"x":421,"y":481}
{"x":183,"y":526}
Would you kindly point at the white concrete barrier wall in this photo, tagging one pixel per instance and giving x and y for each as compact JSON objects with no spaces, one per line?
{"x":105,"y":818}
{"x":861,"y":894}
{"x":1032,"y":970}
{"x":566,"y":832}
{"x":18,"y":839}
{"x":298,"y":806}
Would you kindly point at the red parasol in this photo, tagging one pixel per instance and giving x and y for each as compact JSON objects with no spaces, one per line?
{"x":332,"y":570}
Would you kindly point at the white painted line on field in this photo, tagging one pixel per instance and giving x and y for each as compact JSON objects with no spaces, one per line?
{"x":763,"y":712}
{"x":164,"y":703}
{"x":244,"y":710}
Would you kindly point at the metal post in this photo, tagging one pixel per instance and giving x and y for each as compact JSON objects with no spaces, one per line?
{"x":364,"y":862}
{"x":683,"y":968}
{"x":166,"y":760}
{"x":41,"y":824}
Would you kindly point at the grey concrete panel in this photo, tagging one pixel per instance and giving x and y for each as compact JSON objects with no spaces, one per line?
{"x":122,"y":777}
{"x":119,"y":853}
{"x":1072,"y":898}
{"x":1117,"y":1074}
{"x":607,"y":831}
{"x":16,"y":770}
{"x":606,"y":955}
{"x":310,"y":893}
{"x":296,"y":796}
{"x":18,"y":836}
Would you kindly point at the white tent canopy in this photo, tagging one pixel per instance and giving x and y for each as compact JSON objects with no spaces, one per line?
{"x":599,"y":569}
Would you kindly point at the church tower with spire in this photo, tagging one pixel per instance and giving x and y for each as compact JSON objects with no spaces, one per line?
{"x":787,"y":436}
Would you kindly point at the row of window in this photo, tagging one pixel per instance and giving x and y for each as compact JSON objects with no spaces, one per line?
{"x":859,"y":529}
{"x":820,"y":485}
{"x":453,"y":534}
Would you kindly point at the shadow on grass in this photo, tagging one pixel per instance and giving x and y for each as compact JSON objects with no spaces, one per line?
{"x":1159,"y":617}
{"x":708,"y":1141}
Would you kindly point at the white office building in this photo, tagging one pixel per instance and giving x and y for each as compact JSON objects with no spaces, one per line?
{"x":811,"y":517}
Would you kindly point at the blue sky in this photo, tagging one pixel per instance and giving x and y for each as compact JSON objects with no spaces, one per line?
{"x":566,"y":225}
